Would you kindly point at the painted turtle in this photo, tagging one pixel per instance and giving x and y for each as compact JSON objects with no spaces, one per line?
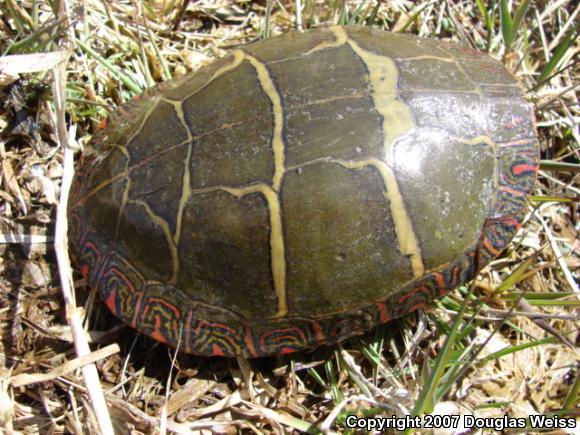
{"x":303,"y":189}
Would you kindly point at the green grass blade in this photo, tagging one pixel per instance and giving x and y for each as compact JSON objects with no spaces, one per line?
{"x":487,"y":16}
{"x":356,"y":14}
{"x":521,"y":11}
{"x":316,"y":376}
{"x":517,"y":275}
{"x":331,"y":376}
{"x":374,"y":14}
{"x":556,"y":58}
{"x":425,"y":402}
{"x":123,"y":78}
{"x":412,"y":19}
{"x":265,"y":34}
{"x":573,"y":397}
{"x":507,"y":25}
{"x":516,"y":348}
{"x":552,"y":165}
{"x":542,"y":199}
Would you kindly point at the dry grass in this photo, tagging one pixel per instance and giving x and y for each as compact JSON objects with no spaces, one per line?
{"x":512,"y":347}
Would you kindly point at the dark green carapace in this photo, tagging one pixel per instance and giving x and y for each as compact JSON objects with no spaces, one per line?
{"x":303,"y":189}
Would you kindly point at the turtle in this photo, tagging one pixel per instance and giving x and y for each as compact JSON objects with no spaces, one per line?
{"x":303,"y":189}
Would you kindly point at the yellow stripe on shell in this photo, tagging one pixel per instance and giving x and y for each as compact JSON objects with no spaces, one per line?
{"x":397,"y":121}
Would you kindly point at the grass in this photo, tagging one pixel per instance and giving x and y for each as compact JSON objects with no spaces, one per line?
{"x":504,"y":345}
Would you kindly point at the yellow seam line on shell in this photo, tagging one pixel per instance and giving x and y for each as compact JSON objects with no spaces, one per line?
{"x":278,"y":258}
{"x":162,"y":223}
{"x":277,"y":248}
{"x":111,"y":180}
{"x":237,"y":58}
{"x":186,"y":180}
{"x":403,"y":225}
{"x":148,"y":113}
{"x":340,"y":39}
{"x":277,"y":140}
{"x":397,"y":121}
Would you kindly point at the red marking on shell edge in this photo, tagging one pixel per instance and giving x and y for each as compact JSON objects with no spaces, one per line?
{"x":167,"y":304}
{"x":490,"y":247}
{"x":383,"y":315}
{"x":440,"y":283}
{"x":512,"y":191}
{"x":290,"y":337}
{"x":514,"y":122}
{"x":455,"y":275}
{"x":217,"y":351}
{"x":415,"y":290}
{"x":524,"y":167}
{"x":416,"y":307}
{"x":287,"y":350}
{"x":119,"y":273}
{"x":156,"y":334}
{"x":318,"y":331}
{"x":110,"y":301}
{"x":85,"y":271}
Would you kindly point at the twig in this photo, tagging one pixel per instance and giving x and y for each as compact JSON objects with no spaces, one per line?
{"x":558,"y":254}
{"x":73,"y":316}
{"x":68,"y":367}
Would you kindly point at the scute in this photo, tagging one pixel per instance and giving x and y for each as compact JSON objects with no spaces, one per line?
{"x":303,"y":189}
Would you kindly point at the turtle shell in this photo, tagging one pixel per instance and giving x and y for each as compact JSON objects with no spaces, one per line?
{"x":303,"y":189}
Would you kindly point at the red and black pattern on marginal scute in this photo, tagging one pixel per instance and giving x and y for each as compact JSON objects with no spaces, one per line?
{"x":417,"y":294}
{"x":287,"y":337}
{"x":90,"y":254}
{"x":355,"y":322}
{"x":215,"y":339}
{"x":517,"y":168}
{"x":159,"y":318}
{"x":495,"y":236}
{"x":121,"y":287}
{"x":518,"y":165}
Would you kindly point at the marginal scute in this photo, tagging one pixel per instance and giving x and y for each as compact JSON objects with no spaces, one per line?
{"x":509,"y":121}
